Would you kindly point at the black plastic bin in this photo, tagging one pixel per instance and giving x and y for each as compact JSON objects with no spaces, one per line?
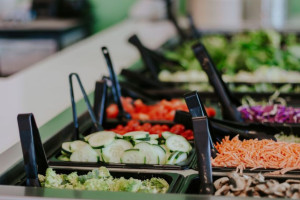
{"x":85,"y":129}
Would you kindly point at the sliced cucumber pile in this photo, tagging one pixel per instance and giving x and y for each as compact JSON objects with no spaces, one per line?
{"x":101,"y":139}
{"x":137,"y":147}
{"x":113,"y":152}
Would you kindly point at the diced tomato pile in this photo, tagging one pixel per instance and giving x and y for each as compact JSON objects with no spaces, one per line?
{"x":163,"y":110}
{"x":134,"y":125}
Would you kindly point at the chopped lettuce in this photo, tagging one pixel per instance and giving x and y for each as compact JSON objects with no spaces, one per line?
{"x":101,"y":180}
{"x":246,"y":51}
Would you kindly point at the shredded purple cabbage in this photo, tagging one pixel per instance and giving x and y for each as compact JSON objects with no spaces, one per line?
{"x":270,"y":113}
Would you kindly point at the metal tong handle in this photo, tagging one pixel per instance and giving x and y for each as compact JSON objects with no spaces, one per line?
{"x":96,"y":125}
{"x":100,"y":95}
{"x":228,"y":102}
{"x":115,"y":85}
{"x":35,"y":159}
{"x":146,"y":56}
{"x":197,"y":109}
{"x":172,"y":18}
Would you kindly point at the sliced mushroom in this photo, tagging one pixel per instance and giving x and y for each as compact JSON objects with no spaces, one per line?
{"x":223,"y":190}
{"x":220,"y":182}
{"x":238,"y":183}
{"x":261,"y":188}
{"x":293,"y":181}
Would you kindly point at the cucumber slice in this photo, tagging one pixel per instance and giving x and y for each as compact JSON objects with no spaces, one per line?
{"x":118,"y":136}
{"x":167,"y":134}
{"x":178,"y":143}
{"x":98,"y":151}
{"x":86,"y":138}
{"x":171,"y":158}
{"x":180,"y":157}
{"x":164,"y":147}
{"x":144,"y":139}
{"x":66,"y":148}
{"x":102,"y":156}
{"x":85,"y":154}
{"x":133,"y":156}
{"x":147,"y":149}
{"x":150,"y":141}
{"x":77,"y":144}
{"x":161,"y":153}
{"x":101,"y":139}
{"x":154,"y":136}
{"x":137,"y":135}
{"x":113,"y":152}
{"x":63,"y":158}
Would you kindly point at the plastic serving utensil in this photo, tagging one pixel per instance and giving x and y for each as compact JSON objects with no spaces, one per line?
{"x":228,"y":102}
{"x":35,"y":160}
{"x":172,"y":18}
{"x":203,"y":142}
{"x":197,"y":109}
{"x":100,"y":95}
{"x":195,"y":33}
{"x":147,"y":57}
{"x":96,"y":125}
{"x":115,"y":85}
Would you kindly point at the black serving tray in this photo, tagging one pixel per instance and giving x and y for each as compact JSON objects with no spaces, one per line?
{"x":248,"y":170}
{"x":191,"y":183}
{"x":174,"y":180}
{"x":86,"y":128}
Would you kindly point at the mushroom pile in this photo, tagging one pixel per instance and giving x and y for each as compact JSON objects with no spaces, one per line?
{"x":256,"y":186}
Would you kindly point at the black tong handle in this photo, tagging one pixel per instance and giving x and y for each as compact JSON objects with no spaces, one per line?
{"x":197,"y":109}
{"x":195,"y":33}
{"x":172,"y":18}
{"x":228,"y":102}
{"x":100,"y":95}
{"x":35,"y":159}
{"x":146,"y":56}
{"x":115,"y":85}
{"x":97,"y":126}
{"x":203,"y":141}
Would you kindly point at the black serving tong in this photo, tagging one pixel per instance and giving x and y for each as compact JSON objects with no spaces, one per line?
{"x":203,"y":143}
{"x":228,"y":102}
{"x":173,"y":19}
{"x":35,"y":160}
{"x":147,"y":56}
{"x":115,"y":85}
{"x":221,"y":128}
{"x":151,"y":59}
{"x":140,"y":79}
{"x":100,"y":95}
{"x":96,"y":124}
{"x":197,"y":109}
{"x":195,"y":33}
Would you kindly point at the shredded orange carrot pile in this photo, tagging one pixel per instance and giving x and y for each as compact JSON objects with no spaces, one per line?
{"x":256,"y":154}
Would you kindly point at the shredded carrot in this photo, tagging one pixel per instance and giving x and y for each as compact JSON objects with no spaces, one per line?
{"x":256,"y":153}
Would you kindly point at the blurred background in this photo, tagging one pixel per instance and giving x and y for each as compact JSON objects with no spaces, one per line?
{"x":31,"y":30}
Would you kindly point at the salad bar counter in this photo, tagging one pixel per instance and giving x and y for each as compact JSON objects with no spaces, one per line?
{"x":174,"y":127}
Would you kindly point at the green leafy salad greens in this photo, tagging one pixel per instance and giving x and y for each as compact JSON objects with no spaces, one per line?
{"x":101,"y":180}
{"x":243,"y":51}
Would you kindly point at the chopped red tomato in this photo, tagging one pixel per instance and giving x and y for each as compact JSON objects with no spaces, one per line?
{"x":134,"y":125}
{"x":162,"y":110}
